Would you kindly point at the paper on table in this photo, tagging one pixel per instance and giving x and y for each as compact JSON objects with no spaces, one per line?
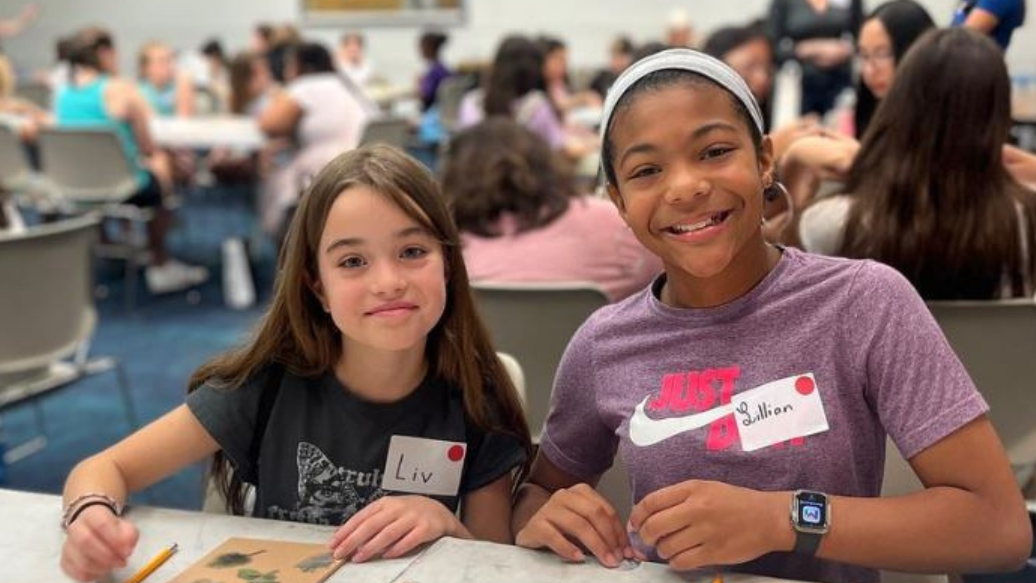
{"x":263,"y":561}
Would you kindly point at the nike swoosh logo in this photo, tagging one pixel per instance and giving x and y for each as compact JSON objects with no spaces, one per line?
{"x":646,"y":431}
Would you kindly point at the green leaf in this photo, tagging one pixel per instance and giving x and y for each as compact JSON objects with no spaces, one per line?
{"x":248,"y":574}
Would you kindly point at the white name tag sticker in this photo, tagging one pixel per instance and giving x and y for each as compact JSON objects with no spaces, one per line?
{"x":424,"y":466}
{"x":779,"y":411}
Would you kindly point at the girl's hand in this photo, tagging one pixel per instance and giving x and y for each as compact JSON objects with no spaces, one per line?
{"x":696,"y":523}
{"x":578,"y":513}
{"x":97,"y":542}
{"x":392,"y":526}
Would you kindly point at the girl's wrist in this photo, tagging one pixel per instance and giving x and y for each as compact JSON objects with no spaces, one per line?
{"x":81,"y":503}
{"x":460,"y":531}
{"x":782,"y":535}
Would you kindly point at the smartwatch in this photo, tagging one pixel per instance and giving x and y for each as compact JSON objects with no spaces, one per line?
{"x":811,"y":519}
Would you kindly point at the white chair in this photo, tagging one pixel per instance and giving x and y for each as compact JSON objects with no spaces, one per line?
{"x":515,"y":371}
{"x":389,"y":131}
{"x":88,"y":169}
{"x":48,"y":315}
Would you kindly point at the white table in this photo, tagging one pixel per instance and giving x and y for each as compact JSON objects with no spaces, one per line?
{"x":384,"y":93}
{"x":30,"y":547}
{"x":31,"y":540}
{"x":222,"y":131}
{"x":461,"y":561}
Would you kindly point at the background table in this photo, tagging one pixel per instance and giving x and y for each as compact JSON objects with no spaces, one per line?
{"x":204,"y":133}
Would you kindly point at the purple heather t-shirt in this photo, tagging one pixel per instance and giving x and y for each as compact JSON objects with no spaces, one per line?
{"x":879,"y":360}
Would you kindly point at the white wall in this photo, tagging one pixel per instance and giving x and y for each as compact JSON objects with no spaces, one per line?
{"x":587,"y":25}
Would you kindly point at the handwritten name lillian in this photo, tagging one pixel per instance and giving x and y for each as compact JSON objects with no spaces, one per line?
{"x":762,"y":411}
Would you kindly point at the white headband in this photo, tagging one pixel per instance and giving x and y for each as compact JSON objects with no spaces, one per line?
{"x":684,"y":60}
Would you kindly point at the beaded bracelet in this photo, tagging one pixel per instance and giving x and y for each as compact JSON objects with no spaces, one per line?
{"x":81,"y":503}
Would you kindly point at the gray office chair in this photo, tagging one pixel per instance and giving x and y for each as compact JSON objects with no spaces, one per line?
{"x":48,"y":315}
{"x":15,"y":170}
{"x":534,"y":322}
{"x":389,"y":131}
{"x":87,"y":165}
{"x":449,"y":96}
{"x":996,"y":341}
{"x":36,"y":93}
{"x":88,"y":170}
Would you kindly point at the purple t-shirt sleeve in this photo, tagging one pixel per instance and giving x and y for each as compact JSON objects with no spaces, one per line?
{"x":574,"y":438}
{"x":470,"y":112}
{"x":915,"y":382}
{"x":544,"y":122}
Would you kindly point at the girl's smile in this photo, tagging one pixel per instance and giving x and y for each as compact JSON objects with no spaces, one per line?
{"x":699,"y":229}
{"x":396,"y":309}
{"x":689,"y":183}
{"x":382,"y":274}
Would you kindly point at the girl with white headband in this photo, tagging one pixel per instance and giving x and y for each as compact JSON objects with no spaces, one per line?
{"x":749,"y":390}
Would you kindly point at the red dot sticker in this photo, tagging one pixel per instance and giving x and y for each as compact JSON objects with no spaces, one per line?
{"x":804,"y":385}
{"x":455,"y":453}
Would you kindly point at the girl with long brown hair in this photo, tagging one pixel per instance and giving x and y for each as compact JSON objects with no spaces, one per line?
{"x":929,"y":191}
{"x":371,"y":349}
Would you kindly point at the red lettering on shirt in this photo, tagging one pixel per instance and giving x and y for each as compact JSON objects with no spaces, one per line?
{"x":699,"y":391}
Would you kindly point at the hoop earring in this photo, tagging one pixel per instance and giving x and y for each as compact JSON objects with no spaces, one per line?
{"x":771,"y":193}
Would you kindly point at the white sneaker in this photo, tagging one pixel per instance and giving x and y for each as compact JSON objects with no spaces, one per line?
{"x":173,"y":276}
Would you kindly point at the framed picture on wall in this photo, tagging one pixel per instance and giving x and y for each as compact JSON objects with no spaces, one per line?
{"x":354,"y":13}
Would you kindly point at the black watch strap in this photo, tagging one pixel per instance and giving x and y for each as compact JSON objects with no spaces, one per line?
{"x":806,"y":543}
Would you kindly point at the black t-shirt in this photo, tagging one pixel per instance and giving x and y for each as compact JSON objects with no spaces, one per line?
{"x":323,"y":453}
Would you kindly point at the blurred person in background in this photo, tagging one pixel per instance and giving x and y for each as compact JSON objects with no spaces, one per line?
{"x":324,"y":116}
{"x":522,"y":220}
{"x":95,"y":98}
{"x":620,"y":56}
{"x":352,"y":58}
{"x":996,"y":18}
{"x":884,"y":38}
{"x":430,"y":45}
{"x":819,"y":35}
{"x":169,"y":91}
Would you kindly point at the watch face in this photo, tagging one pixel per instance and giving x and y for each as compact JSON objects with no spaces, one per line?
{"x":811,"y":511}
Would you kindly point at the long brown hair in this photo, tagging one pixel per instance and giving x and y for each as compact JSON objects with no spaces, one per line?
{"x":297,"y":334}
{"x":241,"y":70}
{"x":516,"y":71}
{"x":931,"y":195}
{"x":499,"y":167}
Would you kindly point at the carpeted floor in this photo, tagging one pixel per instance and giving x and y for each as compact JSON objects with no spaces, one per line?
{"x":159,"y":343}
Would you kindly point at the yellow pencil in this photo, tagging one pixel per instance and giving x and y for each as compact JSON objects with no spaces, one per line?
{"x":153,"y":564}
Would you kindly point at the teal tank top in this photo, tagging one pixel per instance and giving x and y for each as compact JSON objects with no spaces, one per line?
{"x":83,"y":107}
{"x":163,"y":101}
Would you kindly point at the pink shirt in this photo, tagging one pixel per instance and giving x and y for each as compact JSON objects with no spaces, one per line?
{"x":589,"y":242}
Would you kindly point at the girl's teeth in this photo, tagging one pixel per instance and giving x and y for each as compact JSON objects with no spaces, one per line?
{"x":697,"y":226}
